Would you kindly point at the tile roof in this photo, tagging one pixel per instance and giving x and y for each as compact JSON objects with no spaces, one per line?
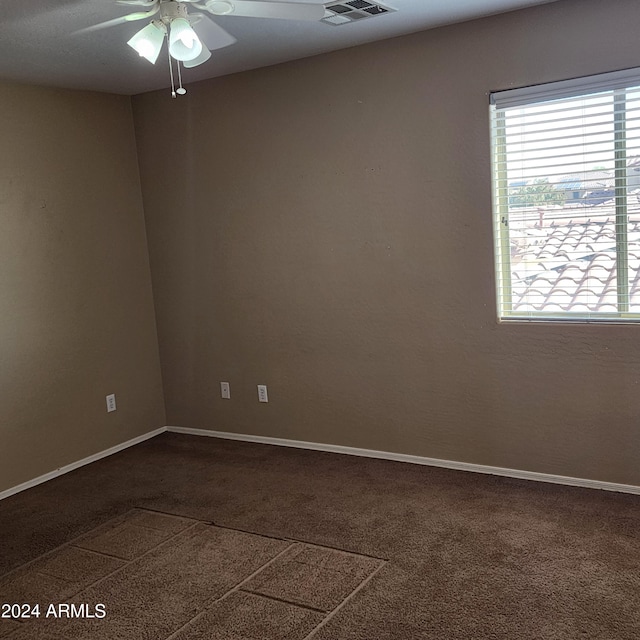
{"x":565,"y":261}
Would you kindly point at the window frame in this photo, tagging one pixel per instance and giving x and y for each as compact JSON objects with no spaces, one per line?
{"x":618,"y":82}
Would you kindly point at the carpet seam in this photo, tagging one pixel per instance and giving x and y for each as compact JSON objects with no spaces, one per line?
{"x":69,"y":543}
{"x":334,"y":612}
{"x":171,"y":515}
{"x":237,"y":588}
{"x":110,"y":555}
{"x":344,"y":551}
{"x":311,"y":544}
{"x":73,"y":541}
{"x":255,"y":533}
{"x":258,"y":594}
{"x":99,"y":580}
{"x":127,"y":563}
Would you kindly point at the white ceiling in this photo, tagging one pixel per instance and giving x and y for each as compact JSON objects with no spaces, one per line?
{"x":37,"y":45}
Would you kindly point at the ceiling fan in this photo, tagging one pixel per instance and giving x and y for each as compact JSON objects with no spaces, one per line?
{"x":191,"y":34}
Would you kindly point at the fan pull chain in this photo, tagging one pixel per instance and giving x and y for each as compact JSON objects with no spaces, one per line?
{"x":173,"y":86}
{"x":181,"y":90}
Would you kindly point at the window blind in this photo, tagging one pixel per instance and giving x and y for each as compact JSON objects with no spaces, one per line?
{"x":566,"y":173}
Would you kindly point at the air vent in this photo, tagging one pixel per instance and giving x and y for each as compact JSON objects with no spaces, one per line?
{"x":345,"y":12}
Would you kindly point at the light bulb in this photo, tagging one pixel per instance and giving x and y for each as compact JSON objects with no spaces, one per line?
{"x":145,"y":49}
{"x":184,"y":44}
{"x":187,"y":38}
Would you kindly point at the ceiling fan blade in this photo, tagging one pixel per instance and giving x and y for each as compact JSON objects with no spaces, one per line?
{"x":138,"y":3}
{"x":211,"y":35}
{"x":131,"y":17}
{"x":260,"y":9}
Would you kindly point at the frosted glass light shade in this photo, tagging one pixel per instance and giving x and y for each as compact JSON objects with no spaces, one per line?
{"x":202,"y":58}
{"x":184,"y":44}
{"x":148,"y":42}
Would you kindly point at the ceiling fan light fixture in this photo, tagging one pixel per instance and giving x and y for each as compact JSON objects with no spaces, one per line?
{"x":184,"y":44}
{"x":148,"y":41}
{"x":202,"y":58}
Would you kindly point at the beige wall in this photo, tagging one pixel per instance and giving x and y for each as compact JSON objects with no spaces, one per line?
{"x":77,"y":318}
{"x":324,"y":227}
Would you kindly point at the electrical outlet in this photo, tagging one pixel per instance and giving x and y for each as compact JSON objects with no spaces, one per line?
{"x":111,"y":403}
{"x":262,"y":393}
{"x":225,"y":390}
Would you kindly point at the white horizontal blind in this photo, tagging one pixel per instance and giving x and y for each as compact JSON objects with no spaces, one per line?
{"x":566,"y":168}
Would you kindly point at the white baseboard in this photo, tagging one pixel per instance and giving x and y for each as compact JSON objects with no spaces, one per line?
{"x":401,"y":457}
{"x":333,"y":448}
{"x":80,"y":463}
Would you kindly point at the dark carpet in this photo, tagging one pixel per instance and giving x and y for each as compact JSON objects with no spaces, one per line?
{"x":193,"y":538}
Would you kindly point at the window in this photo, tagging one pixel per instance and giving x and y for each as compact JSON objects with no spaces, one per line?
{"x":566,"y":172}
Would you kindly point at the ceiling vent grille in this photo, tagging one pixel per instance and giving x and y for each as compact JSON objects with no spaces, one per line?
{"x":345,"y":12}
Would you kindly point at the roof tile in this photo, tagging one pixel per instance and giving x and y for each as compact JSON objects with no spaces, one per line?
{"x":569,"y":265}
